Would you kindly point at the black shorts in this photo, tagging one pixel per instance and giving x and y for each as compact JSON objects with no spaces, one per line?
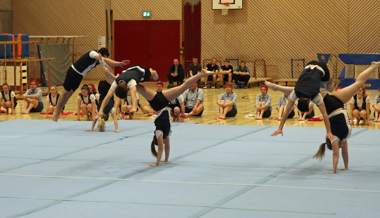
{"x":72,"y":80}
{"x":267,"y":113}
{"x":172,"y":106}
{"x":225,"y":77}
{"x":211,"y":78}
{"x":232,"y":112}
{"x":39,"y":108}
{"x":188,"y":110}
{"x":291,"y":114}
{"x":162,"y":123}
{"x":340,"y":125}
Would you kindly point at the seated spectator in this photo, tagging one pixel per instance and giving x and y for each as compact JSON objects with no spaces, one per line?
{"x":281,"y":105}
{"x":193,"y":97}
{"x":215,"y":68}
{"x":94,"y":91}
{"x":263,"y":104}
{"x":376,"y":106}
{"x":306,"y":115}
{"x":86,"y":103}
{"x":52,"y":100}
{"x":176,"y":73}
{"x":8,"y":99}
{"x":177,"y":109}
{"x":227,"y":103}
{"x":226,"y":72}
{"x":33,"y":99}
{"x":360,"y":107}
{"x":195,"y":68}
{"x":242,"y":74}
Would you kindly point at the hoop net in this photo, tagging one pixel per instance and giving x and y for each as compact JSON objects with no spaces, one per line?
{"x":225,"y":11}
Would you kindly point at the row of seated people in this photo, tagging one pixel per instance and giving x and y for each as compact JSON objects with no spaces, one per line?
{"x":190,"y":103}
{"x":226,"y":74}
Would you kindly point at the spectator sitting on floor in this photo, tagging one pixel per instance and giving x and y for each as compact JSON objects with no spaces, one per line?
{"x":33,"y":99}
{"x":281,"y":104}
{"x":306,"y":115}
{"x":227,"y":103}
{"x":8,"y":99}
{"x":193,"y":97}
{"x":263,"y":104}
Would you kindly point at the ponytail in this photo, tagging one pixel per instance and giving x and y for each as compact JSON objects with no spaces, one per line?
{"x":152,"y":146}
{"x":321,"y":152}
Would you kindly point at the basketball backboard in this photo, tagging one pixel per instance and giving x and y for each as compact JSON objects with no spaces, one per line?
{"x":235,"y":4}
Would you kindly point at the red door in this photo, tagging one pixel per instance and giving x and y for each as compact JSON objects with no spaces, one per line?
{"x":153,"y":43}
{"x":131,"y":42}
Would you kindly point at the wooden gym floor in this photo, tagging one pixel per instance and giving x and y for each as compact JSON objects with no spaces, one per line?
{"x":245,"y":105}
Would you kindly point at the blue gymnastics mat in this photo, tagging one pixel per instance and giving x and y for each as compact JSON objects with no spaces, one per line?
{"x":50,"y":169}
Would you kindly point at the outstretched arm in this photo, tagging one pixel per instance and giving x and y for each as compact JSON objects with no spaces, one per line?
{"x":160,"y":141}
{"x":104,"y":103}
{"x":326,"y":120}
{"x":93,"y":125}
{"x":335,"y":147}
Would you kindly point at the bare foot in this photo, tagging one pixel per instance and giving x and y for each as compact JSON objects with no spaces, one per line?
{"x":205,"y":72}
{"x":55,"y":116}
{"x":271,"y":85}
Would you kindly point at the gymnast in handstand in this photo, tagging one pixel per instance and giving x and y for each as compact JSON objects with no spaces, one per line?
{"x":337,"y":115}
{"x":159,"y":101}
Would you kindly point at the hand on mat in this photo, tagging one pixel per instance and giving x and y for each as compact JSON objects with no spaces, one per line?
{"x":342,"y":168}
{"x":89,"y":130}
{"x":152,"y":164}
{"x":117,"y":131}
{"x":277,"y":132}
{"x":329,"y":171}
{"x":163,"y":160}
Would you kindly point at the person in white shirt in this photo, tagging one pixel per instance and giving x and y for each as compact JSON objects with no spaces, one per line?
{"x":8,"y":99}
{"x":52,"y":100}
{"x":80,"y":68}
{"x":86,"y":103}
{"x":360,"y":107}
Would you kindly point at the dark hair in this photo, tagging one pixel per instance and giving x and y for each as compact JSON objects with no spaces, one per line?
{"x":242,"y":62}
{"x":152,"y":148}
{"x":5,"y":84}
{"x":321,"y":152}
{"x":303,"y":105}
{"x":228,"y":61}
{"x":84,"y":87}
{"x":93,"y":87}
{"x":105,"y":116}
{"x":104,"y":51}
{"x":195,"y":57}
{"x":121,"y":90}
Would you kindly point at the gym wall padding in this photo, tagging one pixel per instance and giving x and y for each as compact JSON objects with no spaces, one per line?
{"x":59,"y":66}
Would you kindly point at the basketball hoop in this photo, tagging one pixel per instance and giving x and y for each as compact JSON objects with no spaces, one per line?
{"x":225,"y":11}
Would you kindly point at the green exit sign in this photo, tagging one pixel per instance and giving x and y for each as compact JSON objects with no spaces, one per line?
{"x":146,"y":14}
